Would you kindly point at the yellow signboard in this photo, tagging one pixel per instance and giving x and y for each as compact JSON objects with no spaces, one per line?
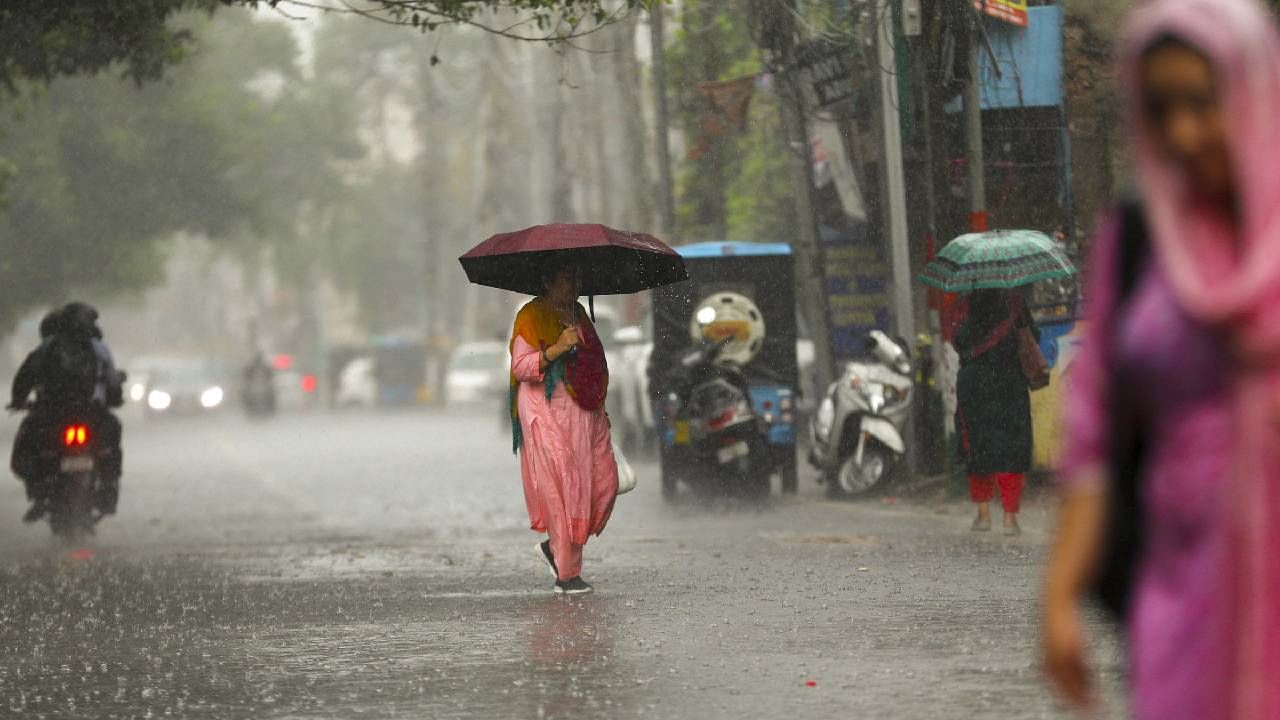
{"x":1010,"y":11}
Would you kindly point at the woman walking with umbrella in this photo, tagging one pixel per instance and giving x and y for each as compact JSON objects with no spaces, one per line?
{"x":999,"y":357}
{"x":559,"y":377}
{"x":994,"y":405}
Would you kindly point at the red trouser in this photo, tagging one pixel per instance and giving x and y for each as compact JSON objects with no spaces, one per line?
{"x":982,"y":488}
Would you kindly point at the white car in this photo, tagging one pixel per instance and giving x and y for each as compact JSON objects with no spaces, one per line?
{"x":629,"y":388}
{"x":357,"y":385}
{"x":187,"y":387}
{"x":478,"y":373}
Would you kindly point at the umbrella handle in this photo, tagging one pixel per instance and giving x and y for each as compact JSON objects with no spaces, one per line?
{"x":591,"y":308}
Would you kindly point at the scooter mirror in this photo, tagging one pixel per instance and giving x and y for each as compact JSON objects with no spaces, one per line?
{"x":889,"y":352}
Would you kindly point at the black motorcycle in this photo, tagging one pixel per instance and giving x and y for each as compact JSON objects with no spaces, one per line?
{"x":259,"y":393}
{"x":71,"y":455}
{"x":720,"y":442}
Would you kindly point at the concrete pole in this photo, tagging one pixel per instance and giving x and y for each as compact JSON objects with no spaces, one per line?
{"x":973,"y":124}
{"x":662,"y":142}
{"x":895,"y":181}
{"x":904,"y":320}
{"x":807,"y":248}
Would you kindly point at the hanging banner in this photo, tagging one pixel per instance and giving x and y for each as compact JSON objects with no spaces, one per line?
{"x":728,"y":103}
{"x":1010,"y":11}
{"x":831,"y":163}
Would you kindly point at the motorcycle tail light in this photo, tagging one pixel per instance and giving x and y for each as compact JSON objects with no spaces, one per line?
{"x":721,"y":420}
{"x":75,"y":435}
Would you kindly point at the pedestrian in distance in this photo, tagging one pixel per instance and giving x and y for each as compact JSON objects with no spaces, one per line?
{"x":993,"y":408}
{"x":1176,"y":394}
{"x":558,"y":383}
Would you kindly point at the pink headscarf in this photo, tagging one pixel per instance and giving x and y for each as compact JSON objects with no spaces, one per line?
{"x":1228,"y":276}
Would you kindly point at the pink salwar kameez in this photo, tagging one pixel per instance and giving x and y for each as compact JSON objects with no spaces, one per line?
{"x":566,"y":462}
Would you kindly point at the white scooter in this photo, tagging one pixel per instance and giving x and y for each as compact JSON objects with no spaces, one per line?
{"x":857,"y":431}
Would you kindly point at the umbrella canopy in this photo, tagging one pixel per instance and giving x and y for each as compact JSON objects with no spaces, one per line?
{"x":997,"y":260}
{"x":613,"y":262}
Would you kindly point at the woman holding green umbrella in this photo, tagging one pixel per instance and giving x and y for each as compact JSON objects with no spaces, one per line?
{"x":993,"y":415}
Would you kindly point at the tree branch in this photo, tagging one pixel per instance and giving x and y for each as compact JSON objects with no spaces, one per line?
{"x":562,"y":20}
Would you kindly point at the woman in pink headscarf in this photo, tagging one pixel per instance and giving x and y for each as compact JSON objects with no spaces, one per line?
{"x":1192,"y":347}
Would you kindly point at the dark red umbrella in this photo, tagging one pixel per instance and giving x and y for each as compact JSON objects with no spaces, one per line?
{"x":613,"y":262}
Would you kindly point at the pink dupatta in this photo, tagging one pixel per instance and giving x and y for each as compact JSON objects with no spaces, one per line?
{"x":1229,"y":278}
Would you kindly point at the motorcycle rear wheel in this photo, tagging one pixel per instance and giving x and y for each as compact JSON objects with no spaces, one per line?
{"x":71,"y":513}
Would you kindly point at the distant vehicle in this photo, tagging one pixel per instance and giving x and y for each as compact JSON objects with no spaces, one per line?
{"x":724,"y":443}
{"x":400,"y":369}
{"x":141,"y":370}
{"x":478,"y":373}
{"x":258,"y":389}
{"x":357,"y":384}
{"x":292,"y":394}
{"x":184,"y":388}
{"x":629,"y":387}
{"x":740,"y":291}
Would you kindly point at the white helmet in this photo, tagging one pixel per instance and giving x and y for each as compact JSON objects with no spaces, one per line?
{"x":729,"y":315}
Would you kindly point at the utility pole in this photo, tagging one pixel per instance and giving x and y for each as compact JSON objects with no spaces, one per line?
{"x":895,"y":184}
{"x":973,"y":130}
{"x":662,"y":141}
{"x":810,"y":275}
{"x":894,"y":178}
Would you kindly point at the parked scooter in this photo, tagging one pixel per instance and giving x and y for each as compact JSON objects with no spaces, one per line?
{"x":718,"y":436}
{"x":857,"y":431}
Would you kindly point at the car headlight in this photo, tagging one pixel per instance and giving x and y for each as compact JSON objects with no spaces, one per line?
{"x":137,"y":392}
{"x":159,"y":400}
{"x":211,"y":398}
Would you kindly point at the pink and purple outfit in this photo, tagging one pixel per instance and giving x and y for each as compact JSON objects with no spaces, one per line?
{"x":1198,"y":340}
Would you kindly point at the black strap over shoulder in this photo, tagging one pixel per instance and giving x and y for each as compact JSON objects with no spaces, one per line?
{"x":1134,"y":246}
{"x":1123,"y":532}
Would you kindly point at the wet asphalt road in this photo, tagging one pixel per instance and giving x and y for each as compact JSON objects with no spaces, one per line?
{"x":379,"y":566}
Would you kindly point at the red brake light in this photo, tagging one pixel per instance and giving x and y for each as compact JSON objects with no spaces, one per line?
{"x":309,"y":383}
{"x":721,"y":420}
{"x":75,"y":435}
{"x":282,"y":362}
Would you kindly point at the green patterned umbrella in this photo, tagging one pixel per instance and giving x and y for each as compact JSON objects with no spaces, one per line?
{"x":999,"y":259}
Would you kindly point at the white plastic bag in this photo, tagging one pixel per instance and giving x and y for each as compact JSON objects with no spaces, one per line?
{"x":626,"y":476}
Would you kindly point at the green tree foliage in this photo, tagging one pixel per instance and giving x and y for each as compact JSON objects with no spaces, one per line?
{"x":740,"y":189}
{"x":105,"y":170}
{"x":41,"y":40}
{"x":123,"y":122}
